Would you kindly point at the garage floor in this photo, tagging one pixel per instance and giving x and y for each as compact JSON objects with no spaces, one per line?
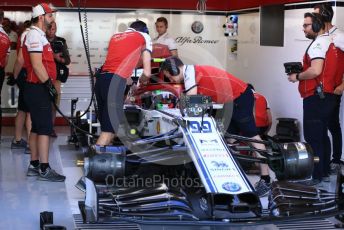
{"x":23,"y":198}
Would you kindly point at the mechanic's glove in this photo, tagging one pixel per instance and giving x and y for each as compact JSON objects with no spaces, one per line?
{"x":11,"y":81}
{"x":51,"y":89}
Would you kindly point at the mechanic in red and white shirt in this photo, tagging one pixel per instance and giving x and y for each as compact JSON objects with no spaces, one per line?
{"x":163,"y":37}
{"x":39,"y":92}
{"x":337,"y":36}
{"x":124,"y":52}
{"x":316,"y":86}
{"x":223,"y":88}
{"x":5,"y":44}
{"x":23,"y":115}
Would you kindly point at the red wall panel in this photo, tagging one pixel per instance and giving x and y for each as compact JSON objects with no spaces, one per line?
{"x":218,"y":5}
{"x":244,"y":4}
{"x":136,"y":4}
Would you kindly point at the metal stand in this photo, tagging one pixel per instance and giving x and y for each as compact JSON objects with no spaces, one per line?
{"x":73,"y":139}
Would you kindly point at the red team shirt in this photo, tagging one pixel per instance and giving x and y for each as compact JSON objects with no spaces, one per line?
{"x":21,"y":40}
{"x":221,"y":86}
{"x":337,"y":37}
{"x":124,"y":52}
{"x":320,"y":48}
{"x":5,"y":44}
{"x":36,"y":42}
{"x":260,"y":111}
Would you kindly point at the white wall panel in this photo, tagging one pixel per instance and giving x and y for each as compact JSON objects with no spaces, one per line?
{"x":204,"y":48}
{"x":263,"y":65}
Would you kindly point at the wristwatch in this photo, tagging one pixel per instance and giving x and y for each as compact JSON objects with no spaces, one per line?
{"x":297,"y":76}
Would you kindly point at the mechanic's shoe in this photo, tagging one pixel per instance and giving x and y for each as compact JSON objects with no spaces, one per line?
{"x":311,"y":182}
{"x":27,"y":150}
{"x":32,"y":171}
{"x":22,"y":144}
{"x":53,"y":134}
{"x":50,"y":175}
{"x":81,"y":185}
{"x":262,"y":188}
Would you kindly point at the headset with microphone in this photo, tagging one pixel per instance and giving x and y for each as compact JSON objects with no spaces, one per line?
{"x":145,"y":30}
{"x":171,"y":66}
{"x":317,"y":22}
{"x":139,"y":25}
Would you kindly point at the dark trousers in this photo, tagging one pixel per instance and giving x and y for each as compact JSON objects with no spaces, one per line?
{"x":109,"y":91}
{"x":2,"y":79}
{"x":336,"y":132}
{"x":37,"y":99}
{"x":316,"y":116}
{"x":242,"y":119}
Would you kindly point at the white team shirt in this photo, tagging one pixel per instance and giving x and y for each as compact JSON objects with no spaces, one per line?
{"x":189,"y":76}
{"x":4,"y":32}
{"x":36,"y":40}
{"x":337,"y":36}
{"x":165,"y":39}
{"x":319,"y":47}
{"x":22,"y":37}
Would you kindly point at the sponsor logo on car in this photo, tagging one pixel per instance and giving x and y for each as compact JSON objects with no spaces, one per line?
{"x":231,"y":187}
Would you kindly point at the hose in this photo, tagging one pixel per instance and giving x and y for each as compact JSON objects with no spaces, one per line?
{"x":86,"y":46}
{"x":72,"y":124}
{"x":87,"y":51}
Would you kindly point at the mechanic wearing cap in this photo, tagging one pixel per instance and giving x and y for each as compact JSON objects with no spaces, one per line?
{"x":225,"y":89}
{"x":5,"y":44}
{"x":163,"y":37}
{"x":326,"y":11}
{"x":316,"y":87}
{"x":124,"y":51}
{"x":39,"y":92}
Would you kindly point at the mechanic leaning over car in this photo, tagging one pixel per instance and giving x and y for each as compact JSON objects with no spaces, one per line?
{"x":5,"y":44}
{"x":316,"y":86}
{"x":40,"y":92}
{"x":226,"y":89}
{"x":124,"y":51}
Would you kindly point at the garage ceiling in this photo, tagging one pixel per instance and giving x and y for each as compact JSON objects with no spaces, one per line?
{"x":212,"y":5}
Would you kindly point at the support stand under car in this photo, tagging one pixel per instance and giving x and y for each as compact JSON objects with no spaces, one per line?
{"x":73,"y":139}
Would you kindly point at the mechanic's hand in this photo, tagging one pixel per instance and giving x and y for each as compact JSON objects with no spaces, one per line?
{"x":133,"y":89}
{"x":339,"y":89}
{"x":142,"y":81}
{"x":292,"y":77}
{"x":51,"y":89}
{"x":11,"y":81}
{"x":58,"y":57}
